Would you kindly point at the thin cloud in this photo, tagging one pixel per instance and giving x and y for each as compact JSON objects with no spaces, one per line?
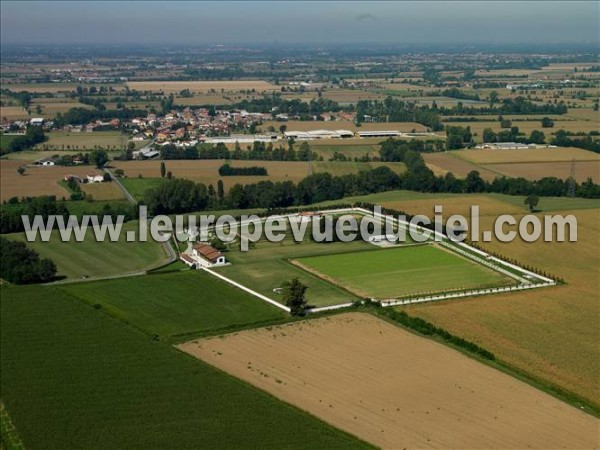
{"x":365,"y":16}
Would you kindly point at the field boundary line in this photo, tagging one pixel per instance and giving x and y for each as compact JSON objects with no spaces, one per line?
{"x":247,"y":289}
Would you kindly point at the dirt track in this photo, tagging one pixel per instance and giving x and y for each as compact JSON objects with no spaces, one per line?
{"x":395,"y":389}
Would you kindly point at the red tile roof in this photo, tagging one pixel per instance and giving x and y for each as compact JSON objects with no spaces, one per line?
{"x":207,"y":251}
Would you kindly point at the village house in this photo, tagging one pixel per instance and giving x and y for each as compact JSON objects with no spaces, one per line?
{"x":95,"y":178}
{"x":203,"y":255}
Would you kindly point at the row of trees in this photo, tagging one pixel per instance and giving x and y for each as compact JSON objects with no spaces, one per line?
{"x":178,"y":195}
{"x":11,"y":211}
{"x":259,"y":151}
{"x":33,"y":136}
{"x":21,"y":265}
{"x":10,"y":214}
{"x":226,"y":170}
{"x":394,"y":110}
{"x":518,"y":105}
{"x":562,"y":139}
{"x":81,"y":116}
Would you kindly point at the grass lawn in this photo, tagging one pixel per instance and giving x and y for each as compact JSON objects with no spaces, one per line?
{"x":191,"y":302}
{"x":97,"y":259}
{"x":6,"y":140}
{"x":397,"y":272}
{"x":266,"y":267}
{"x":74,"y":377}
{"x":138,"y":186}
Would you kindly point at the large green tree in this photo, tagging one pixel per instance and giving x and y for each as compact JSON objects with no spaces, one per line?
{"x":294,"y":296}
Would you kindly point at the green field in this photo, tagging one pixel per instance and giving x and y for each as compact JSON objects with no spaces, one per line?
{"x":6,"y":140}
{"x":191,"y":302}
{"x":76,"y":260}
{"x":74,"y":377}
{"x":267,"y":266}
{"x":397,"y":272}
{"x":138,"y":186}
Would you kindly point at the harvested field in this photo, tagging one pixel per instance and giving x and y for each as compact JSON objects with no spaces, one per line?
{"x":535,"y":155}
{"x":527,"y":126}
{"x":395,"y":389}
{"x":351,"y":96}
{"x":551,"y":333}
{"x":38,"y":88}
{"x":103,"y":191}
{"x":535,"y":171}
{"x":442,"y":163}
{"x":51,"y":109}
{"x":203,"y":99}
{"x":13,"y":113}
{"x":29,"y":156}
{"x":37,"y":180}
{"x":174,"y":87}
{"x":61,"y":140}
{"x":455,"y":204}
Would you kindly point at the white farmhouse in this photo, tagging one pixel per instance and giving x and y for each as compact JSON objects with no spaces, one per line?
{"x":203,"y":255}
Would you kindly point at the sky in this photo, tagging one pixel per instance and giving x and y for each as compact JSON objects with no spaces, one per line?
{"x":307,"y":22}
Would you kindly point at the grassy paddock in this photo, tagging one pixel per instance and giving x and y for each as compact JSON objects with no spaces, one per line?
{"x":89,"y":258}
{"x":266,"y":267}
{"x":403,"y":271}
{"x":190,"y":303}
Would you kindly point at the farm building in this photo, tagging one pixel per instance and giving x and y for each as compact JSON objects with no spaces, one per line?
{"x":319,"y":134}
{"x":46,"y":161}
{"x":146,"y":153}
{"x":203,"y":255}
{"x":370,"y":134}
{"x":507,"y":146}
{"x":95,"y":178}
{"x":242,"y":139}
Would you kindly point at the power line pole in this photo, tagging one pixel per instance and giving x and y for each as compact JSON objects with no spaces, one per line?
{"x":571,"y":181}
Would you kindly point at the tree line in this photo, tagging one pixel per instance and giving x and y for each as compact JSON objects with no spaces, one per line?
{"x":22,"y":265}
{"x":179,"y":195}
{"x":226,"y":170}
{"x":46,"y":205}
{"x":259,"y":151}
{"x":33,"y":136}
{"x":419,"y":177}
{"x":82,"y":116}
{"x":394,"y":110}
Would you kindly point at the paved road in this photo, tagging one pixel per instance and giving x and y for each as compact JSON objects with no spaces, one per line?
{"x":128,"y":196}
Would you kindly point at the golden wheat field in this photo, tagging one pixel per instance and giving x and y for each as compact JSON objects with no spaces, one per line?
{"x":534,"y":155}
{"x":36,"y":180}
{"x":394,"y":389}
{"x":551,"y":332}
